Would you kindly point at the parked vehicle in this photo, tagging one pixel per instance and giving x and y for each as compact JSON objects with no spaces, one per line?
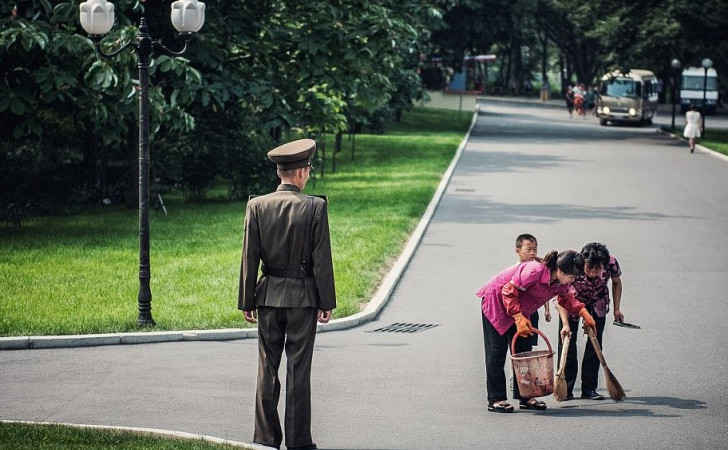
{"x":691,"y":89}
{"x":627,"y":97}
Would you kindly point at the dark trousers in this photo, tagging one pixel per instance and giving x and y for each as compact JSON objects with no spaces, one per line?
{"x":294,"y":329}
{"x":590,"y":363}
{"x":496,"y":347}
{"x":534,"y":322}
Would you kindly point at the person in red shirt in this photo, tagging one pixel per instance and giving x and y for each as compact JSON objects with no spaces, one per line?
{"x":508,"y":299}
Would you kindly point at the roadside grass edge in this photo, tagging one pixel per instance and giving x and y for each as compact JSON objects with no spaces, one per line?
{"x":154,"y":432}
{"x":380,"y":299}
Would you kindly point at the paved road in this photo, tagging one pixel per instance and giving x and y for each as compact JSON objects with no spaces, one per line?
{"x":662,"y":118}
{"x":662,"y":211}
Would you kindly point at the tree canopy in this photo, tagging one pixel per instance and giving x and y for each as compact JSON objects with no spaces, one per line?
{"x":256,"y":69}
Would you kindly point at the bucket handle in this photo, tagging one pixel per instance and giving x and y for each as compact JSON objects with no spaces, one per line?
{"x":515,"y":337}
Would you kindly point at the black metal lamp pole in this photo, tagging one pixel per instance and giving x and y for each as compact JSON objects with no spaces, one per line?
{"x":144,"y":46}
{"x":705,"y":87}
{"x":707,"y":64}
{"x":144,"y":53}
{"x":675,"y":78}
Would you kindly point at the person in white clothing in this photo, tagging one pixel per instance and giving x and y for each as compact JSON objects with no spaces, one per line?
{"x":693,"y":121}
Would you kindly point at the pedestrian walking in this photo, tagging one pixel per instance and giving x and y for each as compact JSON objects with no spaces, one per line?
{"x":506,"y":302}
{"x":569,"y":97}
{"x":593,"y":291}
{"x":693,"y":124}
{"x":288,"y":233}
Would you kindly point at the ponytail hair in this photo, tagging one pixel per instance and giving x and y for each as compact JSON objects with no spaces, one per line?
{"x":569,"y":261}
{"x":550,"y":259}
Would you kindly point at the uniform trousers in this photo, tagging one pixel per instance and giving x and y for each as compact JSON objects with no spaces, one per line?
{"x":295,"y":330}
{"x":590,"y":363}
{"x":496,"y":347}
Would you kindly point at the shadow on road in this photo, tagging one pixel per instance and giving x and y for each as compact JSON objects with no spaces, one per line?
{"x":474,"y":163}
{"x":576,"y":411}
{"x":673,"y":402}
{"x":478,"y":210}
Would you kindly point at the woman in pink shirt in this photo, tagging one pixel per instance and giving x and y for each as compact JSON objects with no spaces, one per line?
{"x":508,"y":299}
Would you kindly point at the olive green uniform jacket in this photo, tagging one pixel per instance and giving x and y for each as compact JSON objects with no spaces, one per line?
{"x":275,"y":234}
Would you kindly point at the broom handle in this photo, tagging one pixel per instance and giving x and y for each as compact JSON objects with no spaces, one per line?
{"x":564,"y":351}
{"x":595,"y":345}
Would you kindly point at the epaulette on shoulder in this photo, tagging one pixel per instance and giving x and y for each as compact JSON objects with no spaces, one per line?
{"x":326,"y":199}
{"x":252,"y":196}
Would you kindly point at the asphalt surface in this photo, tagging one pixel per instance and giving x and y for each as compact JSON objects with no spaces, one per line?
{"x":662,"y":211}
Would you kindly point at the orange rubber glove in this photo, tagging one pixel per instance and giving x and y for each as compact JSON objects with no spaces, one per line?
{"x":588,"y":319}
{"x":523,"y":325}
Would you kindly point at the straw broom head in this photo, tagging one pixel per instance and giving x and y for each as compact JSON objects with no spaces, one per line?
{"x":613,"y":387}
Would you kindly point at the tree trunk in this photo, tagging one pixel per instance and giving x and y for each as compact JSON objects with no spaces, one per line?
{"x":516,"y":74}
{"x":544,"y":59}
{"x":352,"y":136}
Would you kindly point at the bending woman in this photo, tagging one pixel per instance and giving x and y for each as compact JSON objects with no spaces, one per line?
{"x":508,"y":299}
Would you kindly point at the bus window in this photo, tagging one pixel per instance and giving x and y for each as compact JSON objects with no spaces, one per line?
{"x":621,"y":87}
{"x":695,"y":83}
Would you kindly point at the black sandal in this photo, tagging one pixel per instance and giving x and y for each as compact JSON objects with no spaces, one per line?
{"x":500,"y":407}
{"x":532,"y":403}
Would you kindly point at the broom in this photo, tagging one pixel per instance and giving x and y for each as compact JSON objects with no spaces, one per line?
{"x":613,"y":386}
{"x":560,"y":387}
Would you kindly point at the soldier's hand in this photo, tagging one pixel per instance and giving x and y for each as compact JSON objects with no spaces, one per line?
{"x":251,"y":316}
{"x":324,"y":316}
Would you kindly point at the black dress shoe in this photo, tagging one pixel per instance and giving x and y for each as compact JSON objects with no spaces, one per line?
{"x":305,"y":447}
{"x":569,"y":396}
{"x":591,"y":395}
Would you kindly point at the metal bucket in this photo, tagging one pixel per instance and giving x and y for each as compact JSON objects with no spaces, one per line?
{"x":534,"y":370}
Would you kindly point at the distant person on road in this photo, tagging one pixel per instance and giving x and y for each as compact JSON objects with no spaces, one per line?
{"x":569,"y":97}
{"x":579,"y":98}
{"x":508,"y":299}
{"x":693,"y":124}
{"x":592,"y":290}
{"x":288,"y":232}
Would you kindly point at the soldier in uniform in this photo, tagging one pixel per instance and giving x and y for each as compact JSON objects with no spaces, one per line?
{"x":288,"y":233}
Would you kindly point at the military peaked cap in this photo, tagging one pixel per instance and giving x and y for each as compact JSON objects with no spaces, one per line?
{"x":294,"y":154}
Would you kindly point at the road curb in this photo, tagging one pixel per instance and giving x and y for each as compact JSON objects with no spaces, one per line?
{"x":150,"y":432}
{"x":374,"y":307}
{"x":698,"y":147}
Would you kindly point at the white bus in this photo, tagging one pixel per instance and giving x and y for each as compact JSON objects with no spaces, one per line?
{"x":627,"y":97}
{"x":691,"y":89}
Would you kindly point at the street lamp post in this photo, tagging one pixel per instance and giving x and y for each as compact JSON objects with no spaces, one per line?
{"x":675,"y":73}
{"x":707,"y":64}
{"x":97,"y":18}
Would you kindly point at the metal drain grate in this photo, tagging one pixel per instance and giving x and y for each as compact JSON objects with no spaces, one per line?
{"x":402,"y":327}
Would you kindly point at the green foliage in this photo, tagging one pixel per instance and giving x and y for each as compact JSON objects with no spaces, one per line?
{"x":255,"y":69}
{"x":586,"y":38}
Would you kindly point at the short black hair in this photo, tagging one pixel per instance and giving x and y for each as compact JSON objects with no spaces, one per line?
{"x":525,"y":237}
{"x":595,"y":254}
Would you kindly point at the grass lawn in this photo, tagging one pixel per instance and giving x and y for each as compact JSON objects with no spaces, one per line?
{"x":79,"y":274}
{"x":15,"y":436}
{"x":714,"y":139}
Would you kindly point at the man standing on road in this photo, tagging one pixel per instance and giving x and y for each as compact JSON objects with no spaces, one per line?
{"x":288,"y":232}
